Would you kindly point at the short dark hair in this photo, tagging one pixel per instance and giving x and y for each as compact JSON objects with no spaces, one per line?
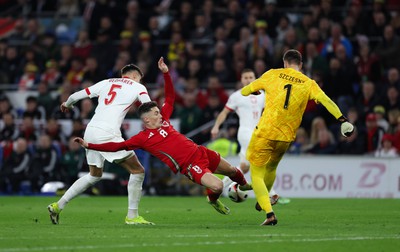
{"x":146,"y":107}
{"x":292,"y":57}
{"x":130,"y":68}
{"x":247,"y":70}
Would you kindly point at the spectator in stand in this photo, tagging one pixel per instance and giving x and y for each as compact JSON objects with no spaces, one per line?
{"x":367,"y":63}
{"x":259,"y":67}
{"x":190,"y":114}
{"x":388,"y":48}
{"x":336,"y":38}
{"x":54,"y":131}
{"x":15,"y":167}
{"x":44,"y":164}
{"x":376,"y":28}
{"x":393,"y":115}
{"x":177,"y":50}
{"x":27,"y":130}
{"x":261,"y":39}
{"x":396,"y":135}
{"x":374,"y":133}
{"x":6,"y":106}
{"x":324,"y":29}
{"x":302,"y":28}
{"x":185,"y":16}
{"x":65,"y":59}
{"x":301,"y":143}
{"x":29,"y":78}
{"x":194,"y":70}
{"x":104,"y":50}
{"x":75,"y":74}
{"x":201,"y":32}
{"x":271,"y":15}
{"x":73,"y":161}
{"x":387,"y":150}
{"x":317,"y":125}
{"x":214,"y":87}
{"x":393,"y":78}
{"x":9,"y":64}
{"x":283,"y":27}
{"x":209,"y":113}
{"x":82,"y":46}
{"x":313,"y":62}
{"x":33,"y":109}
{"x":52,"y":76}
{"x":368,"y":99}
{"x":324,"y":143}
{"x":391,"y":100}
{"x":92,"y":71}
{"x":380,"y":113}
{"x":9,"y":131}
{"x":44,"y":98}
{"x":128,"y":43}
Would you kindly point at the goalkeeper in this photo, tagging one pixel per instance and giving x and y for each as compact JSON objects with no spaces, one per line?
{"x":287,"y":92}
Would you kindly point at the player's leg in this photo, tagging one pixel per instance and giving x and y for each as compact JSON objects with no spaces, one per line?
{"x":214,"y":189}
{"x":78,"y":187}
{"x":136,"y":178}
{"x":233,"y":173}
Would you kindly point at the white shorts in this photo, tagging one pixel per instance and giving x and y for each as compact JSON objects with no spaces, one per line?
{"x":244,"y":136}
{"x":97,"y":135}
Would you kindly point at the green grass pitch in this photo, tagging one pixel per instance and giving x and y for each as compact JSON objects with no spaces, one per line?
{"x":190,"y":224}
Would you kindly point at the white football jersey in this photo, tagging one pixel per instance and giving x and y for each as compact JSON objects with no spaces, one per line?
{"x":115,"y":97}
{"x":248,"y":108}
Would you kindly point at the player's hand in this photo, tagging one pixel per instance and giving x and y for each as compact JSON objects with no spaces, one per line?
{"x":346,"y":129}
{"x":214,"y":132}
{"x":162,"y":66}
{"x":64,"y":108}
{"x":82,"y":142}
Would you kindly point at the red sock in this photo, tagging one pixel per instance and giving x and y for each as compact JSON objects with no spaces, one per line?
{"x":212,"y":196}
{"x":238,"y":177}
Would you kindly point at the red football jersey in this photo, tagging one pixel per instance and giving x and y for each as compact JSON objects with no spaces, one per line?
{"x":165,"y":143}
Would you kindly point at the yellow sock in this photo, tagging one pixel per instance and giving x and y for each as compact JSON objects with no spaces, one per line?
{"x":259,"y":187}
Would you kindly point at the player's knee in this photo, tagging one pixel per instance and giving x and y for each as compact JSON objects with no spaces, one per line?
{"x":217,"y":187}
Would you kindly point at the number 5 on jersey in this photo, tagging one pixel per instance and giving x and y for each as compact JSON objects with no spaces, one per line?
{"x":111,"y":94}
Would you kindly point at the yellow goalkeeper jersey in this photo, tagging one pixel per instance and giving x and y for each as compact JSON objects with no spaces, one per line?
{"x":287,"y":92}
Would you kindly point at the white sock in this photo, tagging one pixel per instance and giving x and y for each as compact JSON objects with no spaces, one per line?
{"x":134,"y":194}
{"x":77,"y":188}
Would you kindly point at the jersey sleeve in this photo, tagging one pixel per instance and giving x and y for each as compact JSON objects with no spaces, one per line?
{"x":168,"y":106}
{"x":231,"y":104}
{"x":256,"y":85}
{"x":77,"y":96}
{"x":143,"y":94}
{"x":319,"y":96}
{"x":130,"y":144}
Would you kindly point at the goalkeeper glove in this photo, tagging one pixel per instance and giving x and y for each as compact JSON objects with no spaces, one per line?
{"x":346,"y":128}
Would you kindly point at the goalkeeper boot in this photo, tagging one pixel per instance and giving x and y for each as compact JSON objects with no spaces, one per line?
{"x":219,"y":206}
{"x":246,"y":187}
{"x":138,"y":220}
{"x":54,"y":212}
{"x":271,"y":220}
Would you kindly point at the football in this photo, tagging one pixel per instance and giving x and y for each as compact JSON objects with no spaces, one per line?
{"x":235,"y":194}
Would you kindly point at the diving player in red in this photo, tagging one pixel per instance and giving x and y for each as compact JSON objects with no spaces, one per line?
{"x":181,"y":154}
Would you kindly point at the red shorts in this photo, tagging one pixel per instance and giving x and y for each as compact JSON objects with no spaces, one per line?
{"x":204,"y":161}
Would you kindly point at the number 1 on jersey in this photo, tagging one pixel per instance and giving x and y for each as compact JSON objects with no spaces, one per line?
{"x":289,"y":88}
{"x":112,"y":93}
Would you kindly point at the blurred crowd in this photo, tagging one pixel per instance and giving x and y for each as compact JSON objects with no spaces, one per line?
{"x":350,"y":47}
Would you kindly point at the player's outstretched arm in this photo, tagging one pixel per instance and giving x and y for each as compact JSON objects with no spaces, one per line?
{"x":72,"y":99}
{"x":162,"y":66}
{"x":220,"y":120}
